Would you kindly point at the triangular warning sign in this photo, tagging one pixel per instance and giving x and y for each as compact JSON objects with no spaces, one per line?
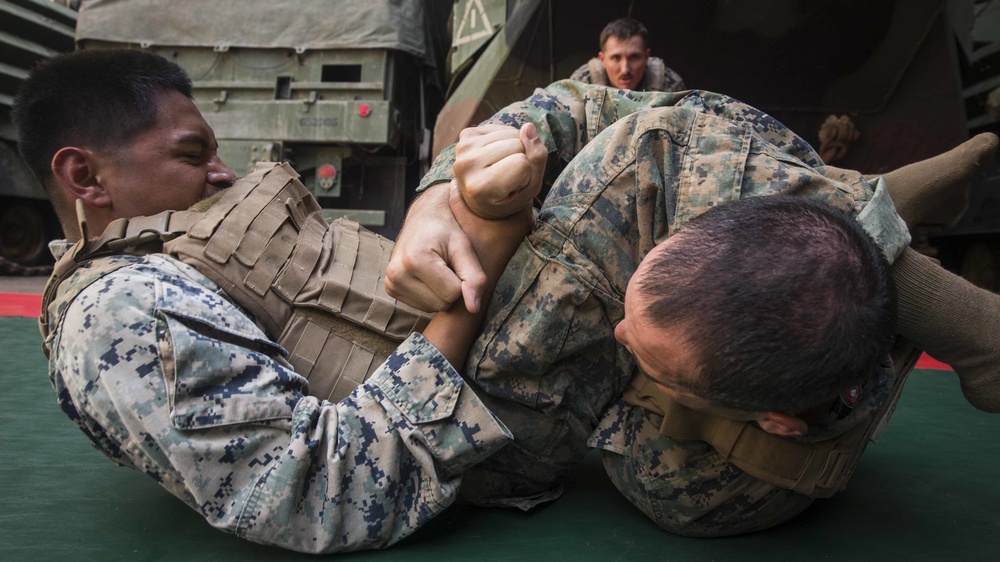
{"x":475,"y":23}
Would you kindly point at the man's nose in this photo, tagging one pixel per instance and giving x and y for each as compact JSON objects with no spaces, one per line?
{"x":220,"y":175}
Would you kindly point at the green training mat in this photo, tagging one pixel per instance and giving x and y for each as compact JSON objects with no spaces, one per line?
{"x":928,"y":490}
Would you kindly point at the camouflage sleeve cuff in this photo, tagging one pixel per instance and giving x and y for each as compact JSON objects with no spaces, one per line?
{"x":883,"y":224}
{"x":426,"y":392}
{"x":441,"y":171}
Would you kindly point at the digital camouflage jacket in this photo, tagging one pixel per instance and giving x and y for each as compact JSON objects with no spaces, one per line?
{"x":628,"y":169}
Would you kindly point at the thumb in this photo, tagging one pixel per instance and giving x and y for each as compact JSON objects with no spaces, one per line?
{"x":536,"y":153}
{"x":466,"y":266}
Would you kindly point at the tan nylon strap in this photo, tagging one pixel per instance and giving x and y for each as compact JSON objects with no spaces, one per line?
{"x":817,"y":469}
{"x":262,"y":231}
{"x":231,"y":231}
{"x":368,"y":273}
{"x":790,"y":464}
{"x":290,"y":281}
{"x":382,"y":306}
{"x":296,"y":212}
{"x":330,"y":340}
{"x":305,"y":354}
{"x":338,"y":281}
{"x":359,"y":360}
{"x":274,"y":256}
{"x":132,"y":233}
{"x":807,"y":468}
{"x":286,"y":206}
{"x":375,"y":342}
{"x":120,"y":235}
{"x":114,"y":232}
{"x":204,"y":228}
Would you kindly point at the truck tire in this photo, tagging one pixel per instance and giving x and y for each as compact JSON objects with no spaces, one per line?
{"x":23,"y":234}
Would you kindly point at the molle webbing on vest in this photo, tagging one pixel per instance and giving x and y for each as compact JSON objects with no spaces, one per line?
{"x":315,"y":288}
{"x":318,"y":289}
{"x":818,"y":469}
{"x":136,"y":236}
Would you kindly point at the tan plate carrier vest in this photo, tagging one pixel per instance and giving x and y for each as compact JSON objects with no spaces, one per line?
{"x":317,"y":289}
{"x":817,"y":469}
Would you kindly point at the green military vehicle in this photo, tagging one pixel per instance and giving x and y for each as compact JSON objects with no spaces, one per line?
{"x":912,"y":77}
{"x":345,"y":91}
{"x":348,"y":91}
{"x":30,"y":31}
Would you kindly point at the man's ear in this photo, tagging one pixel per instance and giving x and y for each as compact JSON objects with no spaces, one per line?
{"x":782,"y":424}
{"x":76,"y":170}
{"x":600,"y":55}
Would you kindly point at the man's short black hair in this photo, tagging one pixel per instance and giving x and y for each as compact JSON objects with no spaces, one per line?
{"x":623,"y":29}
{"x":785,"y":302}
{"x":98,"y":98}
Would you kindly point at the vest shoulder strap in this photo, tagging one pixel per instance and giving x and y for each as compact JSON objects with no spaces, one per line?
{"x":54,"y":302}
{"x":129,"y":236}
{"x":818,"y":469}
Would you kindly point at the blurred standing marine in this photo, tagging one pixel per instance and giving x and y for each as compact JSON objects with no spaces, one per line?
{"x":624,"y":62}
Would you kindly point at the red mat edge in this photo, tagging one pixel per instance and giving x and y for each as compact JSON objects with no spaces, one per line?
{"x":928,"y":362}
{"x":20,"y":304}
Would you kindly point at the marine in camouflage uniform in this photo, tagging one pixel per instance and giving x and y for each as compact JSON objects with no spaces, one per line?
{"x":190,"y":391}
{"x":658,"y":76}
{"x":547,"y":362}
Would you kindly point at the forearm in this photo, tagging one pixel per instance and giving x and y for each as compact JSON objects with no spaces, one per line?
{"x":452,"y":331}
{"x":432,"y":201}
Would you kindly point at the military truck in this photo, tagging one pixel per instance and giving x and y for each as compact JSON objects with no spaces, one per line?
{"x":911,"y":76}
{"x":30,"y":31}
{"x":345,"y":91}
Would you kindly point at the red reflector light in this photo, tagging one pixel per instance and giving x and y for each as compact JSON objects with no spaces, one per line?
{"x":327,"y":171}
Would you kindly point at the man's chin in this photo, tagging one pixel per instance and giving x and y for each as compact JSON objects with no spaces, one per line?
{"x":626,"y":84}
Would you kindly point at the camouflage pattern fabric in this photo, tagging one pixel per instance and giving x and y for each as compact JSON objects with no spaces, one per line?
{"x":547,"y":362}
{"x":658,"y":77}
{"x":167,"y":376}
{"x":688,"y":488}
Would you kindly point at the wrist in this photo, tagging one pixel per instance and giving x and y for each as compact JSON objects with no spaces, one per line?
{"x":494,"y":240}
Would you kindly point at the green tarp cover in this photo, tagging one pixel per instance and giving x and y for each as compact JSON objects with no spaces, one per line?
{"x":295,"y":24}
